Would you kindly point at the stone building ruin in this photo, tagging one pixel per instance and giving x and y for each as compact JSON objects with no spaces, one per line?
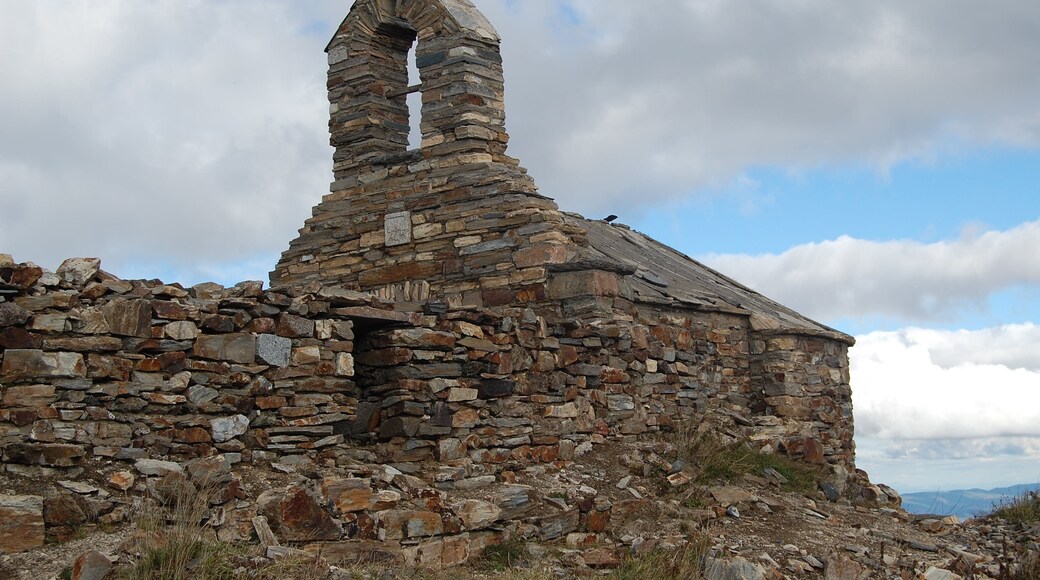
{"x":435,"y":310}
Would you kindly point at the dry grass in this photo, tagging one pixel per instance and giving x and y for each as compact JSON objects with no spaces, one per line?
{"x":721,"y":461}
{"x":686,"y":563}
{"x":179,"y":545}
{"x":1024,"y":509}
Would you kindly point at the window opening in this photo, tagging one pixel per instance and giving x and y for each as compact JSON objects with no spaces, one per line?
{"x":414,"y":101}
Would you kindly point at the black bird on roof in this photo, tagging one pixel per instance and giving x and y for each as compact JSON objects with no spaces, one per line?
{"x":610,"y":218}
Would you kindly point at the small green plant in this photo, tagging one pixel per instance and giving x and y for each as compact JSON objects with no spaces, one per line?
{"x":685,"y":563}
{"x":1023,"y":509}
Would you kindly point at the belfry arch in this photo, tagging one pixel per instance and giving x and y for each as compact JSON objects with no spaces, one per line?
{"x":399,"y":219}
{"x":460,"y":72}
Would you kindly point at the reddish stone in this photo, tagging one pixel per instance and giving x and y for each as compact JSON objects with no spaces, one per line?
{"x":813,"y":452}
{"x":21,"y":523}
{"x":107,"y":367}
{"x":290,"y":326}
{"x":612,"y":375}
{"x":597,"y":522}
{"x":304,"y":520}
{"x":539,"y":255}
{"x":192,"y":435}
{"x":148,"y":365}
{"x":91,"y":566}
{"x":18,"y":338}
{"x":28,"y":396}
{"x":261,"y":326}
{"x":532,"y":293}
{"x":602,"y":558}
{"x":384,"y":357}
{"x":19,"y":276}
{"x":23,"y":417}
{"x":129,"y":317}
{"x":169,"y":310}
{"x":65,"y":510}
{"x":399,"y":273}
{"x":267,"y":403}
{"x":497,"y":297}
{"x":566,"y":356}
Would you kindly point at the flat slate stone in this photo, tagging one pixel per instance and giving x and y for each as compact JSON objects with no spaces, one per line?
{"x":238,"y":348}
{"x":21,"y":523}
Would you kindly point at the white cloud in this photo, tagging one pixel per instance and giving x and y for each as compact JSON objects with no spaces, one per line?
{"x":905,"y":387}
{"x":948,"y":409}
{"x":178,"y":134}
{"x":852,"y":278}
{"x":662,"y":97}
{"x":180,"y":131}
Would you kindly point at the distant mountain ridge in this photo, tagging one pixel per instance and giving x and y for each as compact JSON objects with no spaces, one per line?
{"x":963,"y":503}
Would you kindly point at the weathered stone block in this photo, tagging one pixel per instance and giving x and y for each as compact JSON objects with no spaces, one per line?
{"x":344,"y":364}
{"x":402,"y":524}
{"x":17,"y":338}
{"x":496,"y":388}
{"x":12,"y":314}
{"x":458,"y":395}
{"x":566,"y":411}
{"x":477,"y":514}
{"x":273,"y":350}
{"x":129,"y":317}
{"x":49,"y":322}
{"x":290,"y":326}
{"x":348,"y":494}
{"x":92,"y":565}
{"x":239,"y":348}
{"x":306,"y":355}
{"x":156,"y":467}
{"x":450,"y":449}
{"x":584,"y":283}
{"x":21,"y":523}
{"x":227,"y":428}
{"x":50,"y":455}
{"x":79,"y":271}
{"x":29,"y":397}
{"x":182,"y":330}
{"x":34,"y":364}
{"x":303,"y":519}
{"x":19,"y":276}
{"x":399,"y":427}
{"x":399,"y":273}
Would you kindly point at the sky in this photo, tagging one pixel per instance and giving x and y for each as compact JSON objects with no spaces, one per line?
{"x":873,"y":164}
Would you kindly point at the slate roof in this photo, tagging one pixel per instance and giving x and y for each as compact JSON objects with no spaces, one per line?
{"x":656,"y":274}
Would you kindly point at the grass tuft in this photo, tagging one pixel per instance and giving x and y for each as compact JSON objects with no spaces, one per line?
{"x":685,"y":563}
{"x":724,"y":461}
{"x":1024,"y":509}
{"x":180,"y":546}
{"x":506,"y":556}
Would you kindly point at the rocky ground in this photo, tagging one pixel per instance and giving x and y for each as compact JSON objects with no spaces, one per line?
{"x":750,"y":526}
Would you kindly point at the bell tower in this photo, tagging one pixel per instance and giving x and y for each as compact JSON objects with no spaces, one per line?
{"x":431,"y":221}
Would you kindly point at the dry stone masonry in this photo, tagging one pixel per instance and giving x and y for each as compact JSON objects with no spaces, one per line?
{"x":437,"y":328}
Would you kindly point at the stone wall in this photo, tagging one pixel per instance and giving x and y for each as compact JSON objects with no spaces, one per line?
{"x":93,"y":366}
